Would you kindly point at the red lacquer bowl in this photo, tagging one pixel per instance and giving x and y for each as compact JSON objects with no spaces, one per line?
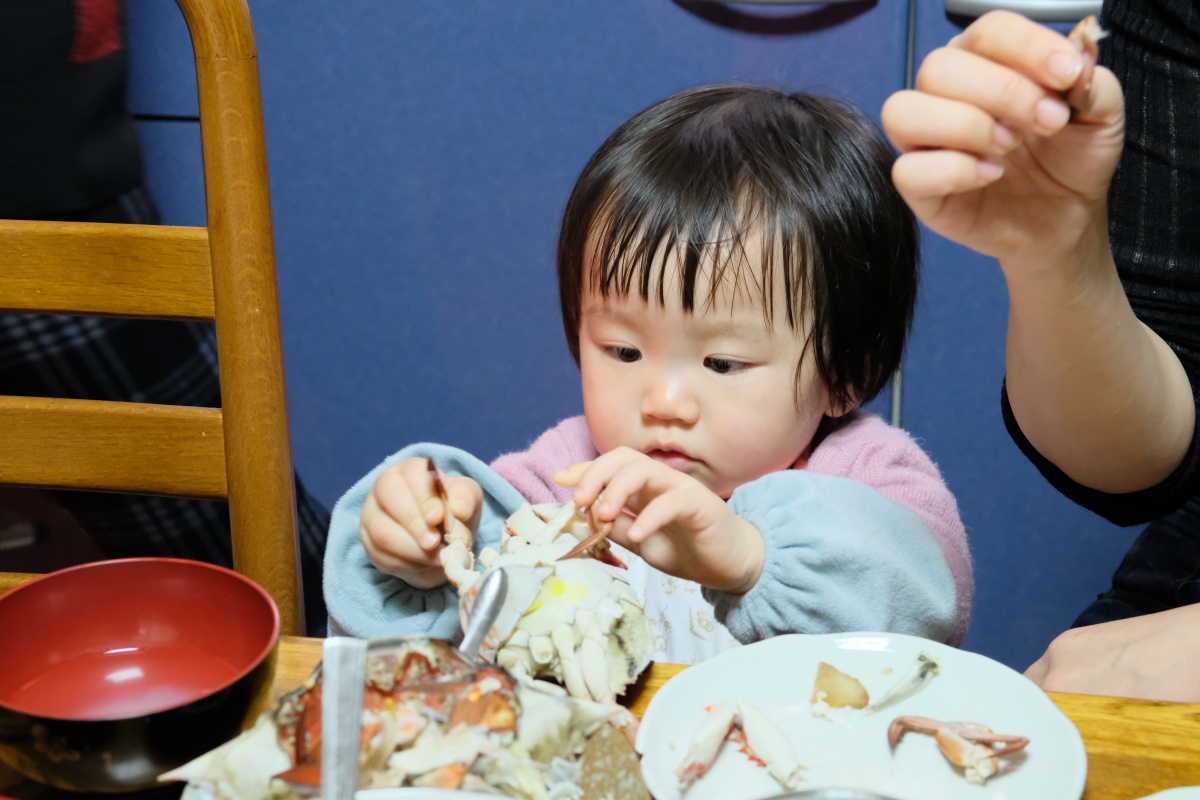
{"x":114,"y":672}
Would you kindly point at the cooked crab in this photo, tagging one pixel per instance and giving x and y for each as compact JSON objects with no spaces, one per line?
{"x":430,"y":718}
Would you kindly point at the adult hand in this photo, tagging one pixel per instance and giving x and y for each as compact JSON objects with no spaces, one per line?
{"x":992,"y":156}
{"x":670,"y":519}
{"x":402,"y":515}
{"x":1156,"y":657}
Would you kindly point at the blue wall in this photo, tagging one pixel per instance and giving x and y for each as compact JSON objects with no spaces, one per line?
{"x":420,"y":154}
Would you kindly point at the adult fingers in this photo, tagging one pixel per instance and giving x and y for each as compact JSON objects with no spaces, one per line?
{"x":917,"y":121}
{"x":1039,"y":53}
{"x":925,"y":179}
{"x":999,"y":90}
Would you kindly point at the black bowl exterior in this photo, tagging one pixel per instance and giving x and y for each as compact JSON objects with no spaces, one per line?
{"x":129,"y":754}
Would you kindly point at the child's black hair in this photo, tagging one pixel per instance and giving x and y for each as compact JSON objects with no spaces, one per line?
{"x":698,"y":174}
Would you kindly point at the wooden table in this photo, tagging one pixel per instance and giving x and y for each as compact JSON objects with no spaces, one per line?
{"x":1134,"y":747}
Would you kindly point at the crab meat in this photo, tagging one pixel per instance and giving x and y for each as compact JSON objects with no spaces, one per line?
{"x":920,"y":673}
{"x":760,"y":739}
{"x":431,"y":718}
{"x":455,"y":556}
{"x":1086,"y":37}
{"x":574,"y":620}
{"x":970,"y":746}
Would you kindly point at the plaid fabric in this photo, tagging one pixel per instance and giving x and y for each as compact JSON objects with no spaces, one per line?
{"x":173,"y":363}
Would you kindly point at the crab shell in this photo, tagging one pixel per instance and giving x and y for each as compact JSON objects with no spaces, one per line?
{"x":431,"y":718}
{"x":577,"y":621}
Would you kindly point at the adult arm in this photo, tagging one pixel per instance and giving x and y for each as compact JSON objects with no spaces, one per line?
{"x":839,"y":557}
{"x":366,"y":602}
{"x":990,"y":160}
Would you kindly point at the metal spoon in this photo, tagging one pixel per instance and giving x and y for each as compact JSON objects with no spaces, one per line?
{"x":483,"y":614}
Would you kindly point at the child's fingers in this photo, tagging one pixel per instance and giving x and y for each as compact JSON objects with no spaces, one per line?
{"x":656,"y":515}
{"x":389,"y":544}
{"x":569,"y":477}
{"x":1002,"y":92}
{"x":592,"y":477}
{"x":465,"y":498}
{"x":412,"y":507}
{"x":917,"y":121}
{"x":1030,"y":48}
{"x":631,"y":486}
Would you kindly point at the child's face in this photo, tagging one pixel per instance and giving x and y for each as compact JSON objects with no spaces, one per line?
{"x":712,"y":393}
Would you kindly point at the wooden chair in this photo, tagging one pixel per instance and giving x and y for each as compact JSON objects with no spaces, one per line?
{"x":225,"y":273}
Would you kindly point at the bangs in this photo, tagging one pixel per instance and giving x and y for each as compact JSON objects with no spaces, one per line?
{"x":698,"y":236}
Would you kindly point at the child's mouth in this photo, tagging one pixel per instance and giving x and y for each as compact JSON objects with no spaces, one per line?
{"x":674,"y":459}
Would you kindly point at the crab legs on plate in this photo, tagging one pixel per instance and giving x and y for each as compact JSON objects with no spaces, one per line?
{"x":968,"y":745}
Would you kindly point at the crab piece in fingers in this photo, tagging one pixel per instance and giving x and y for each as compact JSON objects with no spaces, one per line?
{"x":759,"y":738}
{"x":456,"y":556}
{"x":595,"y":544}
{"x":1086,"y":37}
{"x":970,"y":746}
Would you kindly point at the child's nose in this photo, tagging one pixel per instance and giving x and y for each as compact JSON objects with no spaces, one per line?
{"x":670,"y":400}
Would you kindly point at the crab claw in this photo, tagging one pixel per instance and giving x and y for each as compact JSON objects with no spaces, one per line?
{"x":600,"y":532}
{"x":968,"y":745}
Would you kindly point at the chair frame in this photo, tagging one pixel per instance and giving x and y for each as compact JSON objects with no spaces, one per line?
{"x":224,"y":273}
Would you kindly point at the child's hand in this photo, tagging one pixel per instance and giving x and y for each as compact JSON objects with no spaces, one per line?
{"x":401,"y":517}
{"x":993,"y":101}
{"x":670,"y":519}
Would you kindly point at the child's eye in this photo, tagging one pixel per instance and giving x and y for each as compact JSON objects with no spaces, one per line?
{"x":724,"y":366}
{"x":627,"y":355}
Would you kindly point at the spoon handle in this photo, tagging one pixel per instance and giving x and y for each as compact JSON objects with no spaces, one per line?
{"x":343,"y":671}
{"x":483,"y":614}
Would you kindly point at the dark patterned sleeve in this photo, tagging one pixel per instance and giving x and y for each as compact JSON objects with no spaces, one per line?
{"x":1153,"y":47}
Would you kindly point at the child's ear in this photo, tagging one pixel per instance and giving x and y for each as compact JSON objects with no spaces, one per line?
{"x":839,"y":408}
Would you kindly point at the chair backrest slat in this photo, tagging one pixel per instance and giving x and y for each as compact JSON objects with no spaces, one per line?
{"x":223,"y":272}
{"x":149,"y":271}
{"x":106,"y":446}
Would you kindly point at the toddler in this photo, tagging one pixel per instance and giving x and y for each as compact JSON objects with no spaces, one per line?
{"x":737,"y":275}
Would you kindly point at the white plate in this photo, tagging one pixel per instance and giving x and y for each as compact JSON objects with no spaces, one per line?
{"x":1181,"y":793}
{"x":850,"y":748}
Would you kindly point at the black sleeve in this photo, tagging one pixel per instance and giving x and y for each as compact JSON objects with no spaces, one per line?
{"x":1132,"y":508}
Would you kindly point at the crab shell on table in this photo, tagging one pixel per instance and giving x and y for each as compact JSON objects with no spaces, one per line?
{"x":569,"y":612}
{"x":431,"y":718}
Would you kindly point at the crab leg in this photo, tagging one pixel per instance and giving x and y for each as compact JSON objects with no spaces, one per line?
{"x":969,"y":745}
{"x":706,"y":743}
{"x":600,"y":532}
{"x":456,"y":556}
{"x":761,"y":740}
